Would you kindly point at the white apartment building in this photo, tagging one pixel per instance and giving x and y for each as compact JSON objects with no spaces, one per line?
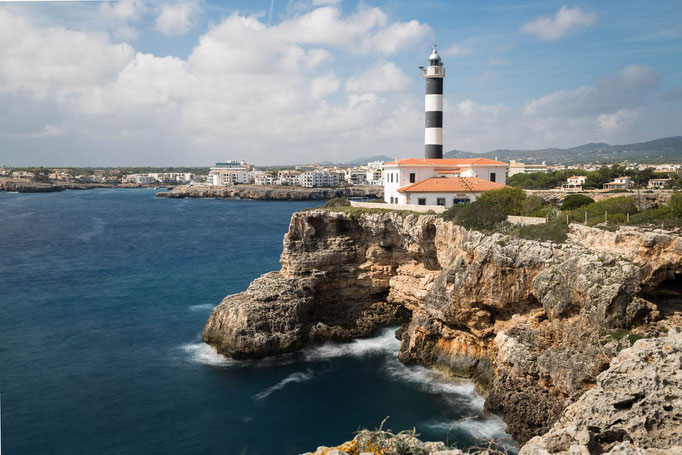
{"x":317,"y":179}
{"x":417,"y":181}
{"x":139,"y":179}
{"x":288,"y":178}
{"x":517,"y":167}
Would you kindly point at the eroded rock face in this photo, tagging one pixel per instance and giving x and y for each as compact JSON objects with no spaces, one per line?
{"x":532,"y":323}
{"x":636,"y":404}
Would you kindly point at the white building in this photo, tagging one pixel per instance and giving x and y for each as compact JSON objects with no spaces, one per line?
{"x":288,"y":178}
{"x":574,"y":183}
{"x":139,"y":179}
{"x":317,"y":179}
{"x":416,"y":181}
{"x":517,"y":167}
{"x":658,"y":183}
{"x":620,"y":183}
{"x":229,"y":173}
{"x":23,"y":175}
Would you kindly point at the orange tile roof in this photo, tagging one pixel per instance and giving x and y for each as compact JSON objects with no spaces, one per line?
{"x":451,"y":185}
{"x":447,"y":162}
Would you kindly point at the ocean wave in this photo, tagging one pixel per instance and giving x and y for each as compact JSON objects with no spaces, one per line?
{"x":203,"y":353}
{"x":385,"y":343}
{"x":301,"y":376}
{"x":487,"y":427}
{"x":202,"y":307}
{"x":433,"y":381}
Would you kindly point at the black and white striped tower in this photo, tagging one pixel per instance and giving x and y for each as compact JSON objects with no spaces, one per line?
{"x":433,"y":105}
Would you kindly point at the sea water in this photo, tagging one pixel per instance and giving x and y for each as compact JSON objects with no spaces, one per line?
{"x":103,"y":297}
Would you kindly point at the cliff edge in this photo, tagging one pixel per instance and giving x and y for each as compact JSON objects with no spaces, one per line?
{"x":532,"y":323}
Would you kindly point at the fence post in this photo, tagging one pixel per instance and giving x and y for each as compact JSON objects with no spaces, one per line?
{"x":627,"y":217}
{"x":567,"y":218}
{"x":606,"y":216}
{"x":585,"y":218}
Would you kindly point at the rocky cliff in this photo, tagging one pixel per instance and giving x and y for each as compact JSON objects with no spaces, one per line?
{"x":276,"y":193}
{"x":534,"y":324}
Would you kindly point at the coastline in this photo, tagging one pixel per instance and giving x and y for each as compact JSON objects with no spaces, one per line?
{"x":24,"y":186}
{"x":532,"y":323}
{"x":275,"y":193}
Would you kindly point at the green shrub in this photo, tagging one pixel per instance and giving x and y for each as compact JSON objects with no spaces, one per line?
{"x":337,"y":202}
{"x":476,"y":215}
{"x":533,"y":206}
{"x":617,"y":208}
{"x":659,"y":215}
{"x":552,"y":231}
{"x":617,"y":190}
{"x":675,"y":204}
{"x":576,"y":200}
{"x":508,"y":200}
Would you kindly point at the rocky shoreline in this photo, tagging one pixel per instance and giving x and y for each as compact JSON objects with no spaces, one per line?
{"x":275,"y":193}
{"x":535,"y":324}
{"x":27,"y":186}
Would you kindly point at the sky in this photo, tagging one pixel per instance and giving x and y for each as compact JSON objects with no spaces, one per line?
{"x":193,"y":82}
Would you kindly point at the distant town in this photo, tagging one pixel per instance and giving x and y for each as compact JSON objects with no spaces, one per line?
{"x":232,"y":173}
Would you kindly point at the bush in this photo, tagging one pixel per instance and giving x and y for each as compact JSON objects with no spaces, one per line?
{"x":508,"y":201}
{"x":337,"y":202}
{"x":575,"y":200}
{"x":552,"y":231}
{"x":659,"y":215}
{"x":534,"y":206}
{"x":617,"y":208}
{"x":476,"y":215}
{"x":675,"y":204}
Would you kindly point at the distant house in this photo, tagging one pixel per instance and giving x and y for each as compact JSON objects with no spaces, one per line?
{"x":620,"y":183}
{"x":574,"y":183}
{"x":658,"y":183}
{"x":23,"y":175}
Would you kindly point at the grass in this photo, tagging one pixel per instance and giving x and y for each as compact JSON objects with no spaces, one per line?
{"x":553,"y":231}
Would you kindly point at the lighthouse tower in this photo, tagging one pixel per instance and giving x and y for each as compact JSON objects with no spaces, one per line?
{"x":433,"y":128}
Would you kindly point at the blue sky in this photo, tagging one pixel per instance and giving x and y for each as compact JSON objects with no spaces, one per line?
{"x":193,"y":82}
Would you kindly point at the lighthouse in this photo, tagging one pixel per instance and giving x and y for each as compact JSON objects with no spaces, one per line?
{"x":433,"y":106}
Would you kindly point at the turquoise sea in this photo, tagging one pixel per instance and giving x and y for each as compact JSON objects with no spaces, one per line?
{"x":103,"y":297}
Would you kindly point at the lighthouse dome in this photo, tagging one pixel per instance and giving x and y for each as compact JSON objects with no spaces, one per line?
{"x":434,"y":58}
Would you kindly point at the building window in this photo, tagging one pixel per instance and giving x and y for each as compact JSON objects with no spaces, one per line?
{"x":413,"y":177}
{"x":397,"y":177}
{"x":440,"y":201}
{"x":421,"y":201}
{"x":391,"y":199}
{"x":460,"y":200}
{"x":492,"y":176}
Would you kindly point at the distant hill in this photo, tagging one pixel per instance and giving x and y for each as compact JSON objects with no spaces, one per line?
{"x":368,"y":159}
{"x":662,"y":150}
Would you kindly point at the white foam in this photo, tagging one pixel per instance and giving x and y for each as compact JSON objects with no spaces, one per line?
{"x":385,"y":342}
{"x":301,"y":376}
{"x":433,"y":381}
{"x":486,"y":427}
{"x":203,"y":353}
{"x":202,"y":307}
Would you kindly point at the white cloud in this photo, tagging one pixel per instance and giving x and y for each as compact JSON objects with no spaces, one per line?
{"x":175,"y":18}
{"x":383,"y":78}
{"x":453,"y":51}
{"x":564,"y":20}
{"x":270,"y":95}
